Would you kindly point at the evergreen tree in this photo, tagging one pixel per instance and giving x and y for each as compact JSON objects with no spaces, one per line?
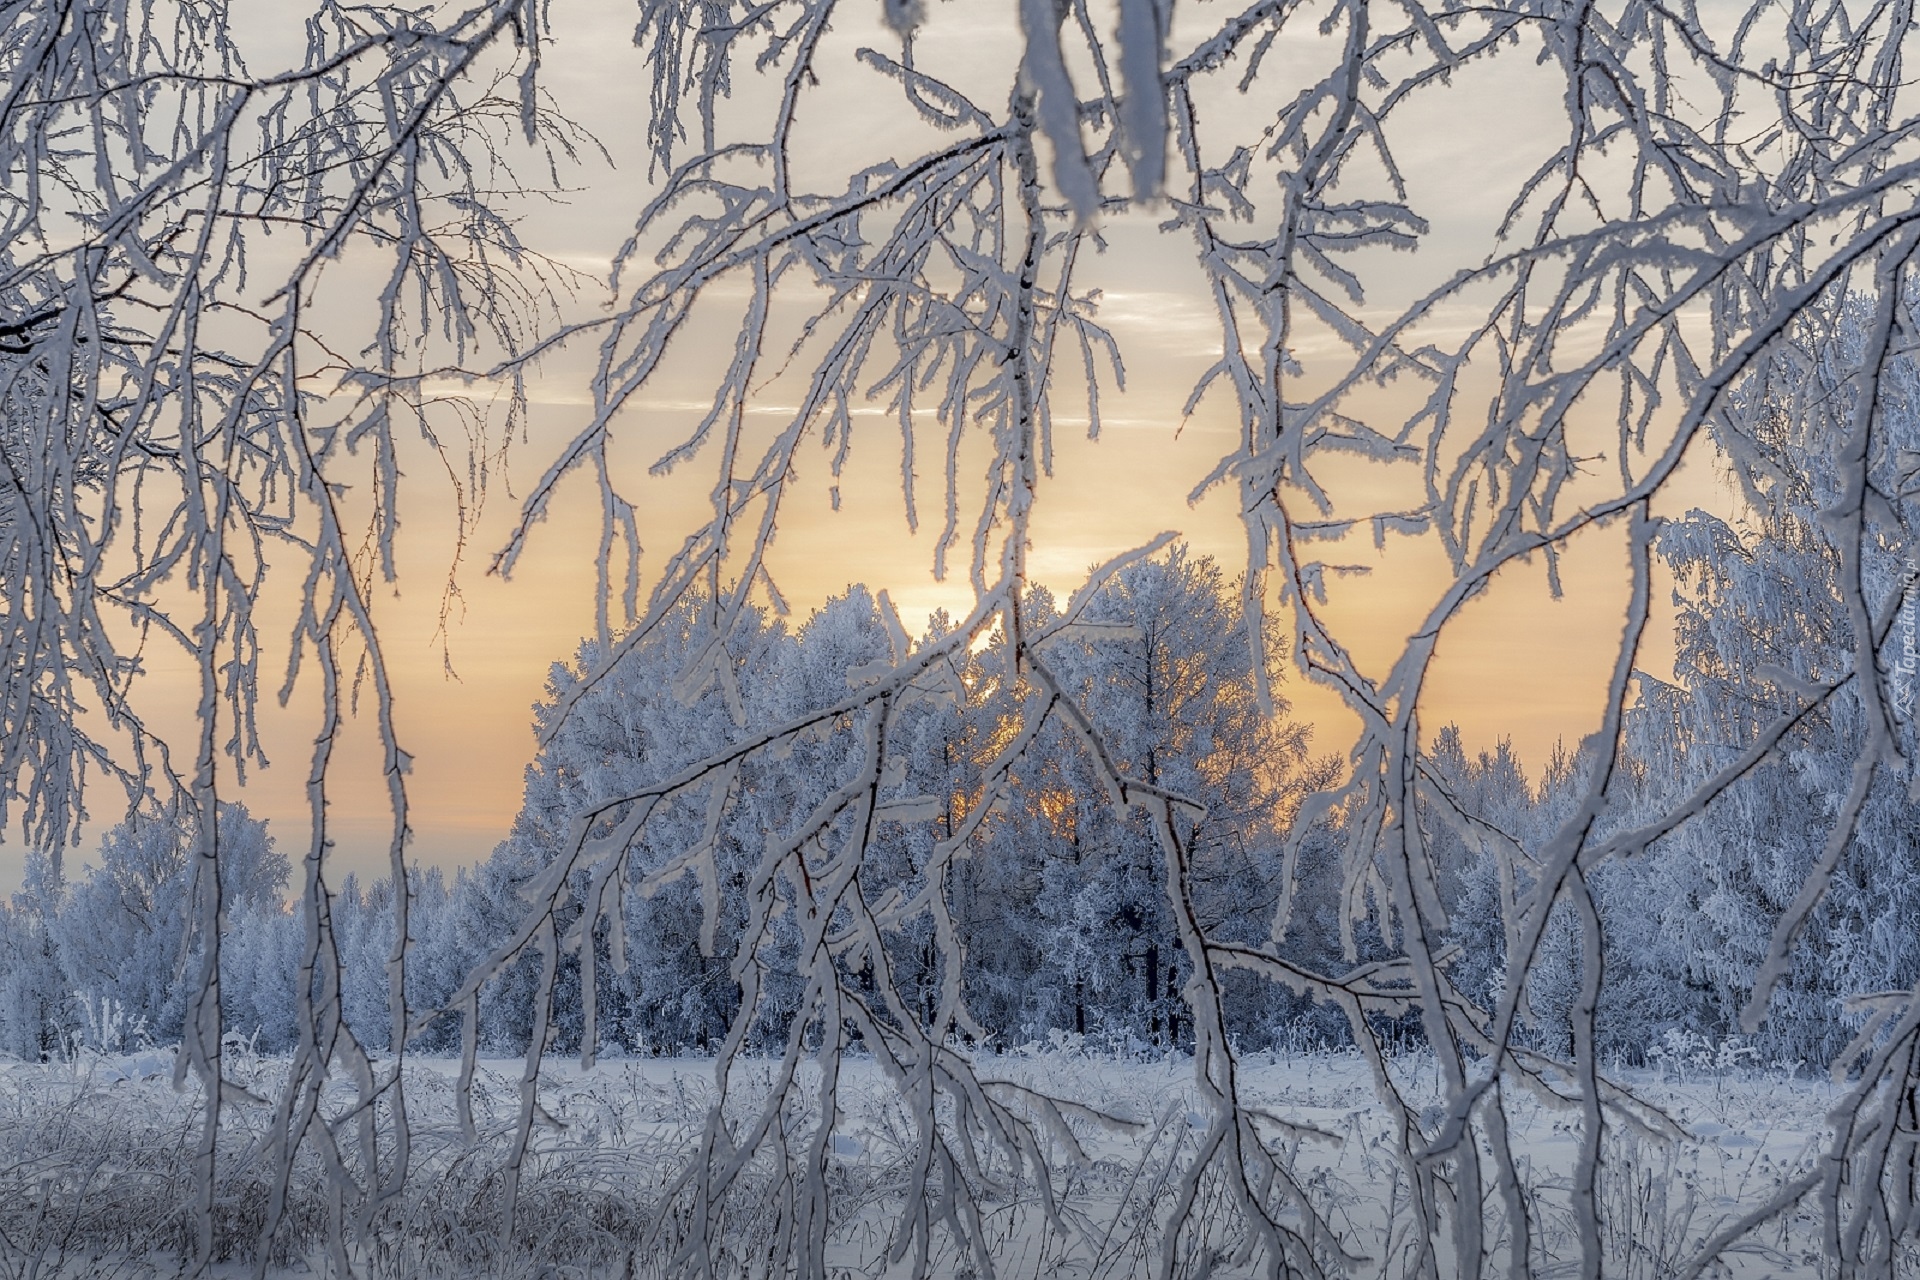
{"x":37,"y":1011}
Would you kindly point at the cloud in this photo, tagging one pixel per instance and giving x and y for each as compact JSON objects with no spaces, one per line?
{"x":1173,"y":322}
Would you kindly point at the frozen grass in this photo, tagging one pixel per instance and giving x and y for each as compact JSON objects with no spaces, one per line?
{"x":94,"y":1176}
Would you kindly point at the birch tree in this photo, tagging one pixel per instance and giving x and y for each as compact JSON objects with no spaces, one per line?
{"x":181,"y":437}
{"x":1715,"y":179}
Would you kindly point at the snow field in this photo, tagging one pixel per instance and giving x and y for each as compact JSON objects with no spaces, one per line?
{"x":95,"y":1178}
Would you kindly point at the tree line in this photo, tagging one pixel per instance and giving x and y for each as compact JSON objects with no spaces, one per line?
{"x":1059,"y":902}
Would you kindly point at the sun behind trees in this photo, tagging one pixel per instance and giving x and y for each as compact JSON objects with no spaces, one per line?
{"x":1061,"y":923}
{"x":1056,"y":906}
{"x":1059,"y":915}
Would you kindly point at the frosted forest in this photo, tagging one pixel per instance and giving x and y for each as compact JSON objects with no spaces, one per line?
{"x":1063,"y":932}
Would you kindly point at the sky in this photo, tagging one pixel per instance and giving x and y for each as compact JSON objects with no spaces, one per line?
{"x":1517,"y":663}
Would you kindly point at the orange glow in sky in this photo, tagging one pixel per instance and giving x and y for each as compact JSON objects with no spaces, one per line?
{"x":1516,"y":663}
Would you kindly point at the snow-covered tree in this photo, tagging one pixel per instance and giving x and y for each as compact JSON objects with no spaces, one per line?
{"x":1765,"y":615}
{"x":1063,"y":890}
{"x":37,"y":1011}
{"x":664,"y":980}
{"x":1058,"y":910}
{"x":124,"y":932}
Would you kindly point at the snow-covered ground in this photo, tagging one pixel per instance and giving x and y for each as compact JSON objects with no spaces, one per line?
{"x":95,"y":1175}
